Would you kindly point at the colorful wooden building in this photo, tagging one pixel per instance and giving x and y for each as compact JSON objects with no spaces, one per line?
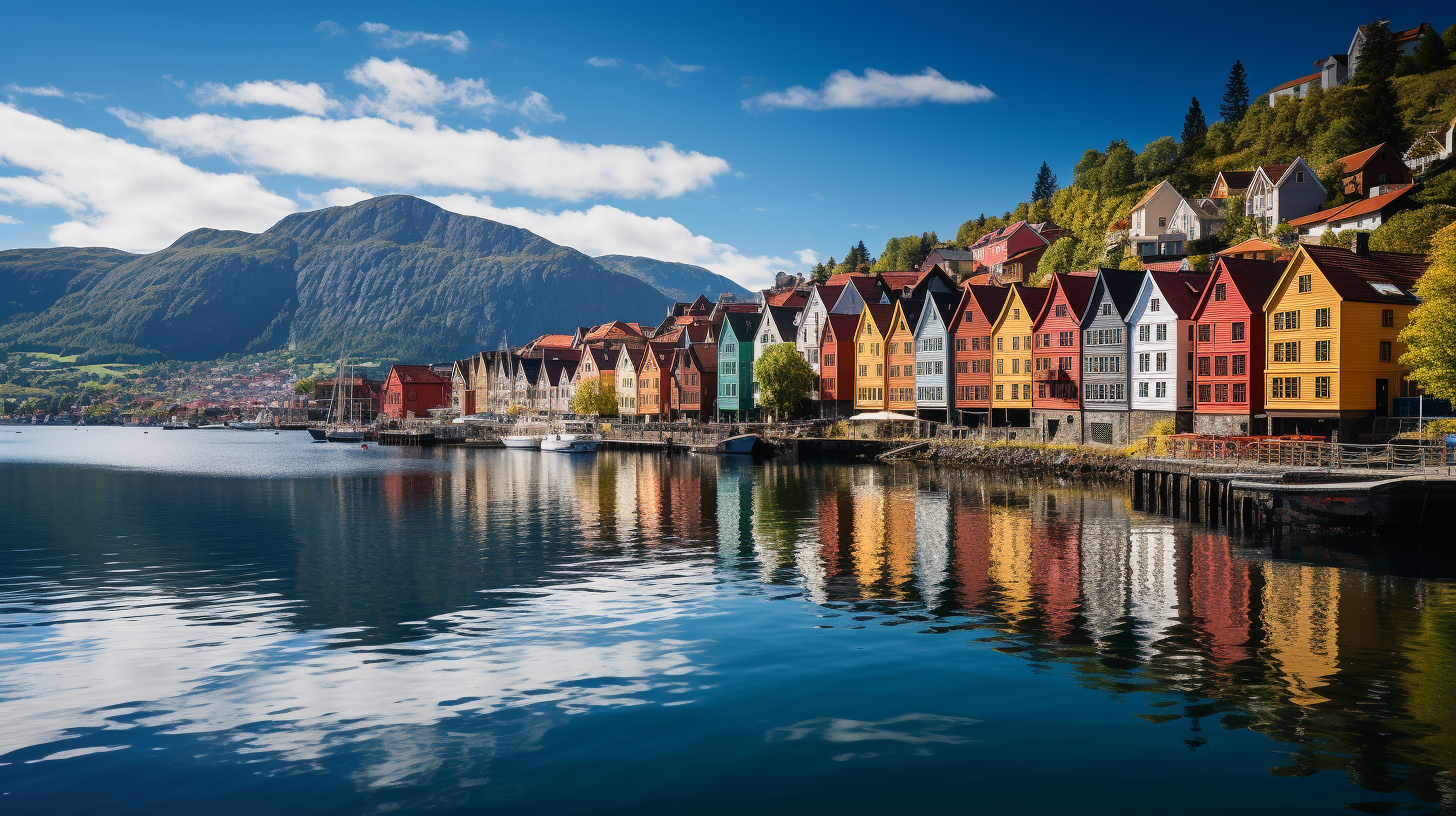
{"x":1332,"y":347}
{"x":978,"y":309}
{"x":836,"y":369}
{"x":934,"y":369}
{"x":1011,"y":335}
{"x":412,"y":390}
{"x":1160,"y":349}
{"x":1056,"y":403}
{"x":629,"y":364}
{"x":1229,"y":347}
{"x":900,"y":356}
{"x":1105,"y":407}
{"x":871,"y":334}
{"x":735,"y":364}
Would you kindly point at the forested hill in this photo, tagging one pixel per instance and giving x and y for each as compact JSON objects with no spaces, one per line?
{"x":392,"y":277}
{"x":1393,"y":99}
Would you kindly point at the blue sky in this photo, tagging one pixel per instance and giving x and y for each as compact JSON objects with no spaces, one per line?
{"x":743,"y":137}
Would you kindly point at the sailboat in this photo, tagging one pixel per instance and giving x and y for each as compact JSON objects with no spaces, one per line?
{"x":349,"y":427}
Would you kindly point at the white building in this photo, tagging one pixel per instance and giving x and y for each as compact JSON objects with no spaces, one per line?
{"x":1162,"y":343}
{"x":1149,"y":224}
{"x":934,"y":362}
{"x":812,"y":323}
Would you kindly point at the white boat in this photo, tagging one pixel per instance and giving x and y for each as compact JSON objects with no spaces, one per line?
{"x":257,"y":422}
{"x":571,"y":443}
{"x":522,"y":441}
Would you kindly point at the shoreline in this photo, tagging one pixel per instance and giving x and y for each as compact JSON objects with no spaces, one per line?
{"x":1068,"y":460}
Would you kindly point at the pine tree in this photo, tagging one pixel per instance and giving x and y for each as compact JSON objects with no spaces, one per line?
{"x":1195,"y":128}
{"x":1235,"y":95}
{"x":1046,"y":184}
{"x":1431,"y":53}
{"x":1377,"y":116}
{"x":981,"y":221}
{"x":1378,"y":55}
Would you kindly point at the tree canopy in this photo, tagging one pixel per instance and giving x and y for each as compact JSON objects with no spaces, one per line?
{"x":1412,"y":230}
{"x":1379,"y":54}
{"x":1046,"y":184}
{"x":1195,"y":128}
{"x":1235,"y":95}
{"x":1430,"y":343}
{"x":594,"y":398}
{"x":784,"y":379}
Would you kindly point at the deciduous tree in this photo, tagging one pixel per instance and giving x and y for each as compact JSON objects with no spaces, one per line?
{"x":784,"y":379}
{"x":1118,"y":169}
{"x":1157,"y":159}
{"x":594,"y":398}
{"x":1430,"y":344}
{"x":1412,"y":230}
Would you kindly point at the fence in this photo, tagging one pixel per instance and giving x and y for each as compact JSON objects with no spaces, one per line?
{"x":1301,"y":453}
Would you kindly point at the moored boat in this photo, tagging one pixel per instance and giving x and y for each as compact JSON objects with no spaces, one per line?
{"x":521,"y":441}
{"x":741,"y":444}
{"x":319,"y":434}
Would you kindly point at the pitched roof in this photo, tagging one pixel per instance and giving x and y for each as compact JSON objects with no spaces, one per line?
{"x":1181,"y":297}
{"x":552,"y":341}
{"x":698,"y":332}
{"x":988,"y":299}
{"x":1354,"y":209}
{"x":1253,"y":279}
{"x":601,"y":332}
{"x":788,"y":297}
{"x":705,"y":357}
{"x":898,"y":279}
{"x":1291,"y":83}
{"x":743,"y":324}
{"x":1251,"y":245}
{"x":911,"y":308}
{"x":554,"y":370}
{"x":531,"y":369}
{"x":843,"y":325}
{"x":1032,"y":297}
{"x":844,"y":278}
{"x":828,"y":293}
{"x":417,"y":375}
{"x":1355,"y":277}
{"x":880,"y":314}
{"x":1149,"y":194}
{"x":869,"y":288}
{"x":604,"y":359}
{"x":1353,"y":162}
{"x":954,"y":254}
{"x":1122,"y":285}
{"x":1075,"y":289}
{"x":1274,"y":172}
{"x":1166,"y":266}
{"x":634,"y":356}
{"x":1235,"y":179}
{"x":783,"y":318}
{"x":943,"y":304}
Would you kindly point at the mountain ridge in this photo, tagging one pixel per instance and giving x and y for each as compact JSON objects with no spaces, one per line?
{"x":680,"y":281}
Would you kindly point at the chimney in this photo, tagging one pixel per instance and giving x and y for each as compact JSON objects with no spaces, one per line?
{"x":1360,"y":243}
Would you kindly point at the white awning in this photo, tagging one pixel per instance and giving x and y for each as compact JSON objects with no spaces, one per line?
{"x":882,"y":416}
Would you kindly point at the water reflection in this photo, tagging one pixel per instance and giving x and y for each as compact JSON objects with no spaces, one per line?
{"x":419,"y":627}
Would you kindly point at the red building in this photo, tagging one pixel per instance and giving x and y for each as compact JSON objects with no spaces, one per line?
{"x":695,"y":380}
{"x":836,"y":364}
{"x":978,"y":309}
{"x":1008,"y":253}
{"x":1057,"y":356}
{"x":1374,"y":167}
{"x":414,"y":389}
{"x":1229,"y":377}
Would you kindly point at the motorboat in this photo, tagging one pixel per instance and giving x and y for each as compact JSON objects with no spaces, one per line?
{"x":215,"y":426}
{"x":743,"y":444}
{"x":345,"y":434}
{"x":571,"y":437}
{"x":252,"y":425}
{"x":522,"y":441}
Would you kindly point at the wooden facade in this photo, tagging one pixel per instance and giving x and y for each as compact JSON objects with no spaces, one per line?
{"x":871,"y":334}
{"x":1229,"y":347}
{"x":836,"y":370}
{"x":900,"y":356}
{"x":1057,"y":346}
{"x":977,"y":311}
{"x":1011,"y":337}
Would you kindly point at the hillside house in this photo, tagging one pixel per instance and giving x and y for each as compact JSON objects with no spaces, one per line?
{"x":1009,"y":254}
{"x":1057,"y":357}
{"x":1150,"y":230}
{"x":978,"y":310}
{"x":1333,"y":348}
{"x":1405,"y":42}
{"x":1431,"y":147}
{"x":1360,"y":214}
{"x":1282,"y":192}
{"x":1253,"y":249}
{"x":1229,"y":347}
{"x":1366,"y":174}
{"x":1230,"y":183}
{"x":779,"y":325}
{"x":1197,"y":218}
{"x":954,"y":261}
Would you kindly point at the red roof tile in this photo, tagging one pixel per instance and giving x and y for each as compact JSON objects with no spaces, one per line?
{"x":1291,"y":83}
{"x":1354,"y":209}
{"x":417,"y":375}
{"x":1352,"y":275}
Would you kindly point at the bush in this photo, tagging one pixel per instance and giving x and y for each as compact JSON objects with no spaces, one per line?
{"x":1163,"y":427}
{"x":1411,"y":230}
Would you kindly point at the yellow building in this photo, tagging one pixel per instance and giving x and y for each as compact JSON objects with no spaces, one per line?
{"x":869,"y":356}
{"x":1011,"y":356}
{"x":1333,"y":351}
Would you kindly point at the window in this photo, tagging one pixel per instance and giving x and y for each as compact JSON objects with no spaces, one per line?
{"x":1205,"y":332}
{"x":1107,"y":308}
{"x":1220,"y":366}
{"x":1162,"y":331}
{"x":1276,"y":388}
{"x":1000,"y":366}
{"x":1145,"y":333}
{"x":1161,"y":390}
{"x":1142,"y":389}
{"x":1000,"y":344}
{"x":1016,"y":365}
{"x":864,"y":371}
{"x":1162,"y":222}
{"x":1321,"y":351}
{"x":1306,"y":282}
{"x":1155,"y":304}
{"x":1220,"y":291}
{"x":1322,"y":318}
{"x":1061,"y":310}
{"x":1041,"y":392}
{"x":1238,"y":364}
{"x":1205,"y":393}
{"x":1237,"y":335}
{"x":1162,"y":361}
{"x":961,"y":367}
{"x":1145,"y":362}
{"x":1299,"y":177}
{"x":1015,"y":391}
{"x":1291,"y":388}
{"x":1205,"y":367}
{"x":1190,"y":361}
{"x":908,"y":347}
{"x":1241,"y":392}
{"x":1015,"y":314}
{"x":1000,"y":392}
{"x":1016,"y":344}
{"x":1321,"y":387}
{"x":1220,"y":392}
{"x":1384,"y":351}
{"x":1387,"y":318}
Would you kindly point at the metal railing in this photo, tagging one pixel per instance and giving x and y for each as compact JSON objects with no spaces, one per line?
{"x":1301,"y":453}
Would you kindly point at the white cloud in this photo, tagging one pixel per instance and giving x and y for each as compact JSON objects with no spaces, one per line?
{"x":120,"y":194}
{"x":876,"y":89}
{"x":404,"y":93}
{"x":454,"y":41}
{"x":687,"y":69}
{"x":337,"y":197}
{"x":43,"y":90}
{"x":605,"y":230}
{"x":808,"y":257}
{"x":416,"y":151}
{"x":536,"y":106}
{"x":329,"y":28}
{"x":283,"y":93}
{"x":8,"y":219}
{"x":603,"y":62}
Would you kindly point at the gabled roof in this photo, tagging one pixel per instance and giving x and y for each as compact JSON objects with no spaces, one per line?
{"x":788,"y":297}
{"x":1175,"y":289}
{"x":942,"y":305}
{"x":910,"y":309}
{"x":1355,"y":277}
{"x":1291,"y":83}
{"x":552,"y":341}
{"x":743,"y":325}
{"x":1354,"y":209}
{"x":783,"y":318}
{"x":604,"y":359}
{"x":1179,"y":265}
{"x":417,"y":375}
{"x":1234,"y":179}
{"x":869,"y":288}
{"x":1254,"y":280}
{"x":603,"y":331}
{"x":880,"y":314}
{"x":988,"y":300}
{"x":842,"y":325}
{"x":1353,"y":162}
{"x":1148,"y":196}
{"x":897,"y":280}
{"x":1122,"y":287}
{"x":844,"y":278}
{"x":954,"y":254}
{"x":1032,"y":297}
{"x":828,"y":293}
{"x":1075,"y":289}
{"x":530,"y":369}
{"x":705,"y":357}
{"x":700,"y":306}
{"x":1251,"y":245}
{"x":634,"y":357}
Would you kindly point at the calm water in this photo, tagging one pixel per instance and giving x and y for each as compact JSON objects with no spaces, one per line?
{"x":224,"y":622}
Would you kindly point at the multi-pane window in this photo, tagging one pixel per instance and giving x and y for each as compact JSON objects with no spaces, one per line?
{"x":1142,"y":389}
{"x":1286,"y":321}
{"x":970,"y":315}
{"x":1237,"y":335}
{"x":1385,"y":351}
{"x":1155,"y":305}
{"x":1286,"y":352}
{"x":1161,"y":390}
{"x":1387,"y":318}
{"x":1322,"y":318}
{"x":1205,"y":367}
{"x":1205,"y":332}
{"x":1162,"y":331}
{"x":1220,"y":392}
{"x":1145,"y":333}
{"x":1000,"y":344}
{"x":1016,"y":365}
{"x":1220,"y":366}
{"x":1061,"y":310}
{"x":1238,"y":364}
{"x":1016,"y":344}
{"x":1104,"y":337}
{"x":1102,"y":365}
{"x":1321,"y":387}
{"x":1000,"y":366}
{"x":1205,"y":393}
{"x":1306,"y":283}
{"x":1241,"y":392}
{"x":1162,"y":361}
{"x":1000,"y":392}
{"x":1220,"y":291}
{"x":1145,"y":362}
{"x":1322,"y":351}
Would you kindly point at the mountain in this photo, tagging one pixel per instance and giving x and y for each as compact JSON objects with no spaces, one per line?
{"x":391,"y":277}
{"x":678,"y":281}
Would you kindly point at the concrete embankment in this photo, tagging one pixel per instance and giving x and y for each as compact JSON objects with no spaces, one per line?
{"x":1055,"y":459}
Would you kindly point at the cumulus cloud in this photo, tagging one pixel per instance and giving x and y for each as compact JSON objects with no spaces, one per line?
{"x":670,"y":72}
{"x":283,"y":93}
{"x":329,"y":28}
{"x":8,"y":219}
{"x":337,"y":197}
{"x":808,"y":257}
{"x":876,"y":89}
{"x":534,"y":105}
{"x":416,"y":151}
{"x":120,"y":194}
{"x":454,"y":41}
{"x":404,"y":93}
{"x":605,"y":230}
